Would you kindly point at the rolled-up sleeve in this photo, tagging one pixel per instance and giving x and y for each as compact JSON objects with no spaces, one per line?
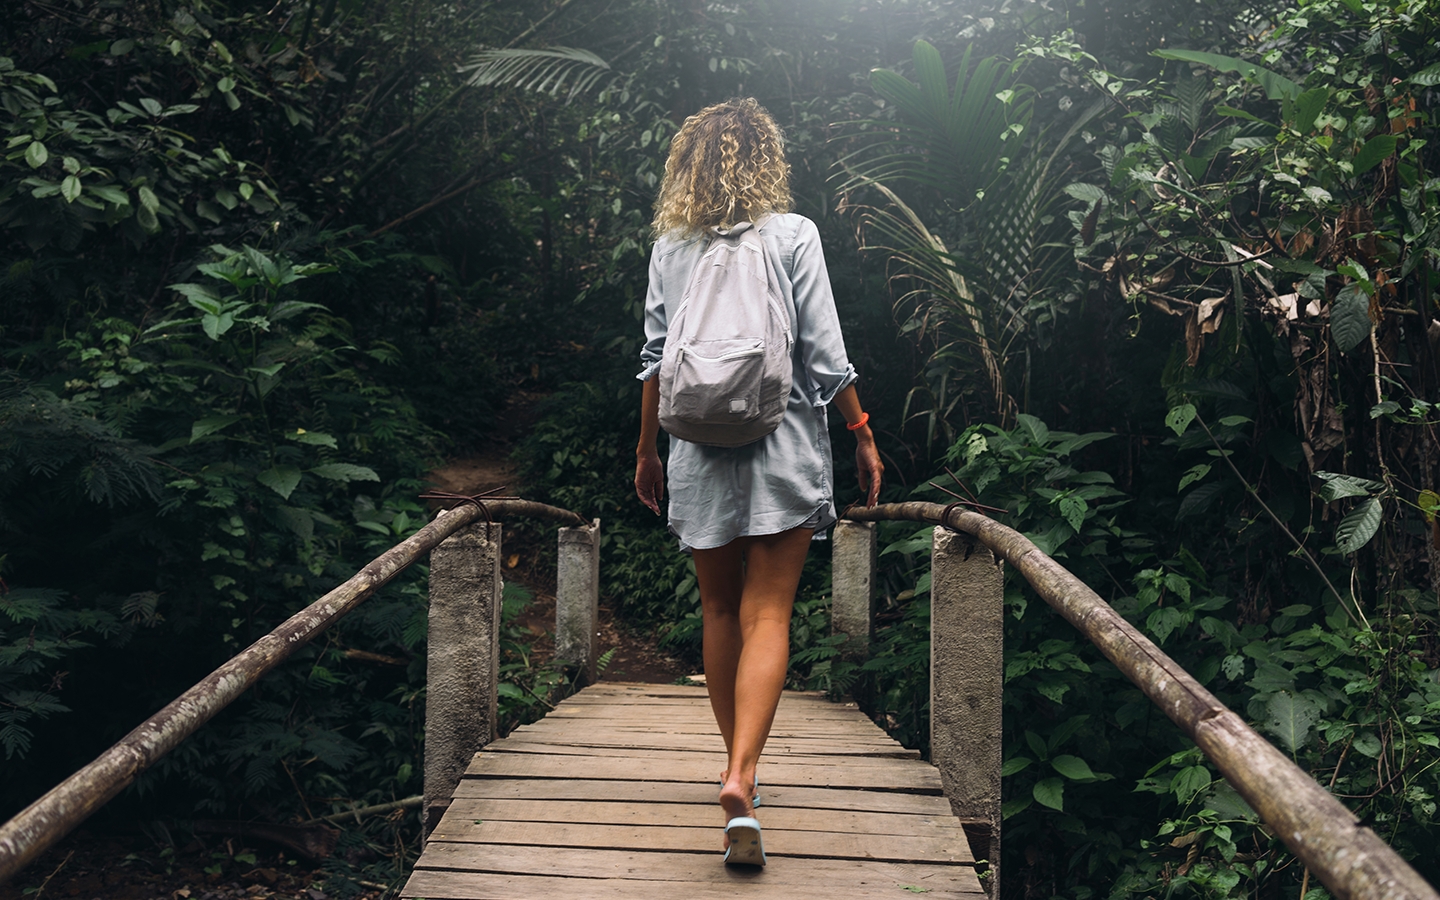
{"x":817,"y":334}
{"x":655,"y":320}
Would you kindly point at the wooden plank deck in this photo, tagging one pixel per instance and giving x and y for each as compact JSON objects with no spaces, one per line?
{"x":613,"y":795}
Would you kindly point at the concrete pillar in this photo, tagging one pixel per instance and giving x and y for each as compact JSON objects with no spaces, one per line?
{"x":966,"y":681}
{"x":463,"y":661}
{"x":852,"y":592}
{"x":577,"y":598}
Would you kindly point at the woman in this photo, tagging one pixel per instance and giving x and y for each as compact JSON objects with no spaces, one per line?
{"x":747,"y":513}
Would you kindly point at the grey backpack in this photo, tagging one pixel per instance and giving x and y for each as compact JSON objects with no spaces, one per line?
{"x":726,"y":371}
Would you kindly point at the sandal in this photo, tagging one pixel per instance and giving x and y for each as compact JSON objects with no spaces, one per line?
{"x":746,"y":846}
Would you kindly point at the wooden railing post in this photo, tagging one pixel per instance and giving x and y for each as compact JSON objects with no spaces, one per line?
{"x":852,"y":586}
{"x":577,"y":598}
{"x":464,"y":656}
{"x":966,"y":684}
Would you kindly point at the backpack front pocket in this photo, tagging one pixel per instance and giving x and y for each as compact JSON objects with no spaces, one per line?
{"x":718,"y":382}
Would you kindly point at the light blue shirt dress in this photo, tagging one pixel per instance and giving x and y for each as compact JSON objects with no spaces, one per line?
{"x":785,"y":479}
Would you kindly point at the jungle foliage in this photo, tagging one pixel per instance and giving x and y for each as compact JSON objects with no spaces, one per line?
{"x":1155,"y":277}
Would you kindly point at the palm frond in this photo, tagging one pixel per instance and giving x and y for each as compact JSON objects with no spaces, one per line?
{"x":952,"y":141}
{"x":544,"y":71}
{"x":924,"y":257}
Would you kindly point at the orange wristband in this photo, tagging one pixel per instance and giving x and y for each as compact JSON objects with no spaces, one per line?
{"x":864,"y":417}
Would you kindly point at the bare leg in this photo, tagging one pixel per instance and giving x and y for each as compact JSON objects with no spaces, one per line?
{"x":754,"y":632}
{"x":721,"y":575}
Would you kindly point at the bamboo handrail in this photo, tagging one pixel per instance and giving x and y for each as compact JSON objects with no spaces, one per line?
{"x":37,"y":827}
{"x":1324,"y":835}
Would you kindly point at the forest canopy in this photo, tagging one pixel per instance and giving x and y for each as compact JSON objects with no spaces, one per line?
{"x":1155,"y":277}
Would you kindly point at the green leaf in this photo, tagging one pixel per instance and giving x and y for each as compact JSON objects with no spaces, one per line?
{"x":1179,"y":418}
{"x":1308,"y":106}
{"x":1194,"y":474}
{"x":1427,"y":77}
{"x":1337,"y":486}
{"x":1350,"y":317}
{"x":109,"y":193}
{"x":122,"y":47}
{"x":269,"y":371}
{"x":1356,"y":529}
{"x":216,"y":325}
{"x":1276,"y":85}
{"x":1051,"y":793}
{"x":1014,"y":765}
{"x":152,"y":106}
{"x":280,"y":479}
{"x":1290,"y":718}
{"x":199,"y":297}
{"x":70,"y":188}
{"x":1375,"y":151}
{"x":1073,"y":509}
{"x":36,"y":154}
{"x":318,"y":438}
{"x":1190,"y":781}
{"x":345,"y":472}
{"x":1368,"y":744}
{"x":209,"y":425}
{"x":1073,"y":768}
{"x":148,"y":201}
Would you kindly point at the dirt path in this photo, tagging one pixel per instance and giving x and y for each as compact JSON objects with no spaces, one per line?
{"x":529,"y":561}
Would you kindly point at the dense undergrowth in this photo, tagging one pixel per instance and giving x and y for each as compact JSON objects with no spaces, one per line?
{"x":263,"y":265}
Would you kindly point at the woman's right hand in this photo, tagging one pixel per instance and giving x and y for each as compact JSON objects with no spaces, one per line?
{"x":650,"y":480}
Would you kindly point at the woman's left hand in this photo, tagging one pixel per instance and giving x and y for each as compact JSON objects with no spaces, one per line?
{"x":868,"y":464}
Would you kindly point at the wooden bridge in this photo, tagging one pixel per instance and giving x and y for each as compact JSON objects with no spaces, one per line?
{"x":614,"y":794}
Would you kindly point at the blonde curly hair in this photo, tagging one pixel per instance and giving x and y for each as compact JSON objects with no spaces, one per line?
{"x":726,"y":165}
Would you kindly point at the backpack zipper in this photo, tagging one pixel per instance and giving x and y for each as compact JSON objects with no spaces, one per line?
{"x":735,"y":354}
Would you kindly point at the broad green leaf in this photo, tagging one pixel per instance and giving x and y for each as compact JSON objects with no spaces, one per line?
{"x":345,"y":472}
{"x":269,"y":371}
{"x":1073,"y":768}
{"x":1427,"y":77}
{"x":152,"y":106}
{"x":109,"y":193}
{"x":36,"y":154}
{"x":1051,"y":793}
{"x":148,"y":201}
{"x":318,"y":438}
{"x":1276,"y":85}
{"x":210,"y":425}
{"x":1014,"y":765}
{"x":1290,"y":718}
{"x":70,"y":188}
{"x":1317,"y":194}
{"x":1307,"y":106}
{"x":1356,"y":529}
{"x":1350,"y":317}
{"x":216,"y":325}
{"x":1073,"y":510}
{"x":1194,"y":474}
{"x":1368,"y":744}
{"x":1428,"y":501}
{"x":280,"y":479}
{"x":1190,"y":781}
{"x":200,"y":297}
{"x":1179,"y":418}
{"x":1375,"y":151}
{"x":1337,"y":486}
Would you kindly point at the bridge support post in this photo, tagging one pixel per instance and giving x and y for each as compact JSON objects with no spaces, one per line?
{"x":852,"y":593}
{"x":966,"y":679}
{"x":463,"y":662}
{"x":577,"y":598}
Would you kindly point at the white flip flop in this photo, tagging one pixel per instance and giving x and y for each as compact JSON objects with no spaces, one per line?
{"x":746,"y":848}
